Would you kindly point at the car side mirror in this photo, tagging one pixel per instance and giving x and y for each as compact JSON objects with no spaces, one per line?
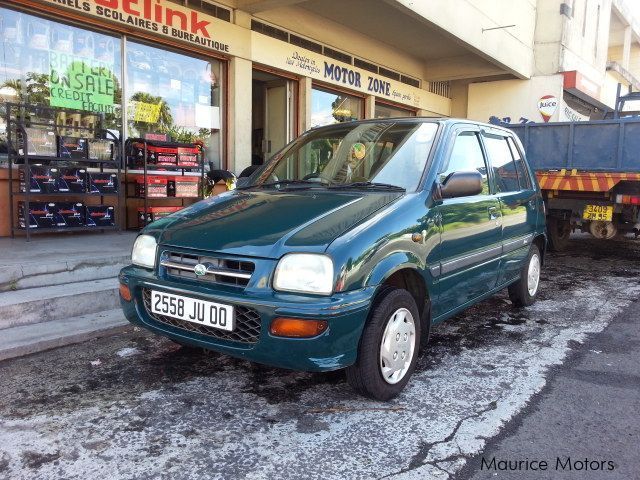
{"x":461,"y":184}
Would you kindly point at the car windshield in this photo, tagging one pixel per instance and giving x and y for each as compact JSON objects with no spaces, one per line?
{"x":356,"y":155}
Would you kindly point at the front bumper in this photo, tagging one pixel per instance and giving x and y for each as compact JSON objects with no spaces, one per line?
{"x":335,"y":348}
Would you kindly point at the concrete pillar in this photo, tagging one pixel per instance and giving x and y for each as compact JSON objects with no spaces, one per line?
{"x":370,"y":106}
{"x":239,"y":152}
{"x":626,"y":48}
{"x":304,"y":104}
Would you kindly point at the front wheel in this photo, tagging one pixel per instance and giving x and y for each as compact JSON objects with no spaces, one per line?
{"x":523,"y":293}
{"x":388,"y":348}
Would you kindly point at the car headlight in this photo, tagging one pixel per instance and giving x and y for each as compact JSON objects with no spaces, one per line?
{"x":144,"y":251}
{"x":304,"y":272}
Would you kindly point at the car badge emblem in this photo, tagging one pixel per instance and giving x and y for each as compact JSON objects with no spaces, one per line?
{"x":200,"y":269}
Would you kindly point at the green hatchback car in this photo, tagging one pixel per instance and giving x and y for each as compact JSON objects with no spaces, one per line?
{"x":345,"y":248}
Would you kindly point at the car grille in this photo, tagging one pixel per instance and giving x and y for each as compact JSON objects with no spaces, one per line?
{"x":218,"y":270}
{"x":247,"y":326}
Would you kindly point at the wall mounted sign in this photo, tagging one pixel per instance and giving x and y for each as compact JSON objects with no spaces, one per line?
{"x":167,"y":19}
{"x":279,"y":54}
{"x":547,"y":106}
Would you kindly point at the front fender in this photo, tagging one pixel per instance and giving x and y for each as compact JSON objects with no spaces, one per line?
{"x":391,"y":264}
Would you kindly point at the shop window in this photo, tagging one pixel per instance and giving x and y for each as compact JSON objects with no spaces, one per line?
{"x":385,"y":72}
{"x":329,"y":107}
{"x":363,"y":64}
{"x":174,"y":94}
{"x":53,"y":64}
{"x":388,"y":111}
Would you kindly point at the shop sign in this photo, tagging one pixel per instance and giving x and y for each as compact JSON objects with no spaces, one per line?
{"x":568,"y":114}
{"x":81,"y":83}
{"x":275,"y":53}
{"x":167,"y":19}
{"x":547,"y":106}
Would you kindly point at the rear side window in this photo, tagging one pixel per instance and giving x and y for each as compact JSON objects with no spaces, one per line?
{"x":466,"y":156}
{"x":523,"y":173}
{"x":505,"y":173}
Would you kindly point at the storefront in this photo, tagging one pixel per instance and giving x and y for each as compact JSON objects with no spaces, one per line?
{"x":184,"y":73}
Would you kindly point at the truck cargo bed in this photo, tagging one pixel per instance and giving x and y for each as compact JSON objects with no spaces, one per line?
{"x":595,"y":146}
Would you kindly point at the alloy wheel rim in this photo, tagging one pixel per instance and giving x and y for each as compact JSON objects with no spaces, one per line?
{"x":533,"y":274}
{"x":397,"y":346}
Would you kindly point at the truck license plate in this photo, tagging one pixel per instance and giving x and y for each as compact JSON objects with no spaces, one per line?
{"x":598,"y":212}
{"x":193,"y":310}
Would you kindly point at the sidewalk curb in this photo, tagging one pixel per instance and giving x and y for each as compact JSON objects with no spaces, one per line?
{"x":62,"y":340}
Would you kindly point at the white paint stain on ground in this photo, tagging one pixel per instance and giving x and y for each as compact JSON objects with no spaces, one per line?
{"x":128,"y":352}
{"x":479,"y":373}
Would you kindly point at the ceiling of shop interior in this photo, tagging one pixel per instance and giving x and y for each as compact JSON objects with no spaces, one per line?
{"x":394,"y":27}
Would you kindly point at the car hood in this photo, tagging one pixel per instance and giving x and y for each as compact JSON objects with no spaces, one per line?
{"x":269,"y":224}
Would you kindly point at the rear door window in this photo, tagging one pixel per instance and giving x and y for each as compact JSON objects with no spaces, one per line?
{"x":523,"y":172}
{"x":505,"y":173}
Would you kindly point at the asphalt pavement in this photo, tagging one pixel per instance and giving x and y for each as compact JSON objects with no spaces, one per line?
{"x":495,"y":381}
{"x":584,"y":424}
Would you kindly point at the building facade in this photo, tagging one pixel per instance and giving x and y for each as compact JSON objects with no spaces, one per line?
{"x":244,"y":77}
{"x":583,"y":49}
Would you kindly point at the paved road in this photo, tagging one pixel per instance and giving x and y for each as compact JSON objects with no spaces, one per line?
{"x":584,"y":424}
{"x":137,"y":406}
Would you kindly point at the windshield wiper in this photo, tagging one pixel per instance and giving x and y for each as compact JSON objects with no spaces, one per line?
{"x":282,"y":182}
{"x":373,"y":185}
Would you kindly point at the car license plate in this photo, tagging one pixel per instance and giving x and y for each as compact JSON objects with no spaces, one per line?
{"x":598,"y":212}
{"x":193,"y":310}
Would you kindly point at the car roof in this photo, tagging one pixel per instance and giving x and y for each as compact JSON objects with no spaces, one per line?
{"x":446,"y":121}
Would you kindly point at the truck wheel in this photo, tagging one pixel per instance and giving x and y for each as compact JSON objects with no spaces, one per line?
{"x":388,"y":349}
{"x":523,"y":293}
{"x":559,"y":231}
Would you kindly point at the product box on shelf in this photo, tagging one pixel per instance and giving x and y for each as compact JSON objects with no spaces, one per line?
{"x":188,"y":157}
{"x":43,"y":179}
{"x":73,"y":180}
{"x":100,"y":182}
{"x":100,"y":216}
{"x":73,"y":147}
{"x":101,"y":150}
{"x":40,"y":215}
{"x":156,"y":186}
{"x":186,"y":186}
{"x":164,"y":156}
{"x":73,"y":214}
{"x":154,"y":213}
{"x":40,"y":141}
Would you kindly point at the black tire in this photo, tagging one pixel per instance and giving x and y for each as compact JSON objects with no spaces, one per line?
{"x":519,"y":291}
{"x":365,"y":376}
{"x":559,"y":231}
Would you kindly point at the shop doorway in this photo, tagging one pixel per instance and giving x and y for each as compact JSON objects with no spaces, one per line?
{"x":273,"y":115}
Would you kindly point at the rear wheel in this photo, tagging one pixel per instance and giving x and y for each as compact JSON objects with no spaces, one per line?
{"x":559,"y":231}
{"x":523,"y":293}
{"x":388,"y":349}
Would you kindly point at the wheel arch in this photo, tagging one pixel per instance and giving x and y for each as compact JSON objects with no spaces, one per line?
{"x":405,"y":274}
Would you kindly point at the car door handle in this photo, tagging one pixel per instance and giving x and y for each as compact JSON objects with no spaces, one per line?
{"x":493,"y":213}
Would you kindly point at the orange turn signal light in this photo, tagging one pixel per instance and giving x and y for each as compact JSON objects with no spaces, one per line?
{"x":297,"y":327}
{"x":125,"y":293}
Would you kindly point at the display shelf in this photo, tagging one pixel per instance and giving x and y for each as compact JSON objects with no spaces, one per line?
{"x":66,"y":194}
{"x":133,"y":173}
{"x":45,"y":158}
{"x":19,"y":122}
{"x":36,"y":230}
